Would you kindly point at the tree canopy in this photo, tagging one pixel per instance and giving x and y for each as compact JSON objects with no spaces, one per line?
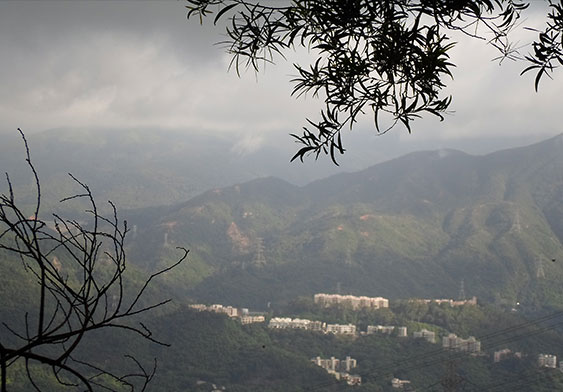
{"x":390,"y":58}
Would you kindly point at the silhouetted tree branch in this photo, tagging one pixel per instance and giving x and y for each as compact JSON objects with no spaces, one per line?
{"x":390,"y":58}
{"x":79,"y":268}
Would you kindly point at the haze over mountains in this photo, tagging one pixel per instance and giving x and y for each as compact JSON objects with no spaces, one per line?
{"x":413,"y":226}
{"x":138,"y":168}
{"x":144,"y":167}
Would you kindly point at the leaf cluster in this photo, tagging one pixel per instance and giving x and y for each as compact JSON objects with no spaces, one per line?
{"x":548,"y":49}
{"x":386,"y":57}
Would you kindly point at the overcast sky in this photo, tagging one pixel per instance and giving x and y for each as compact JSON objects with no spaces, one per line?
{"x":123,"y":64}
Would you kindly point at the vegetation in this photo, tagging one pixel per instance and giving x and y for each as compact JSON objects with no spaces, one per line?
{"x":215,"y":349}
{"x":486,"y":223}
{"x":210,"y":349}
{"x":490,"y":220}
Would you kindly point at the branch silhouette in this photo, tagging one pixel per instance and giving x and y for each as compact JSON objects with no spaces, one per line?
{"x":79,"y":268}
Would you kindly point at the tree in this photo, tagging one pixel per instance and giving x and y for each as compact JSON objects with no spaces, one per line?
{"x":387,"y":57}
{"x":79,"y":268}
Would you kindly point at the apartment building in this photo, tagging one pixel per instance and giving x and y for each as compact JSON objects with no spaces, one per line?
{"x":429,"y":336}
{"x":289,"y":323}
{"x":341,"y":329}
{"x":449,"y":301}
{"x":339,"y":368}
{"x":501,"y":355}
{"x":351,"y":301}
{"x":453,"y":342}
{"x":386,"y":329}
{"x":547,"y":361}
{"x":249,"y":319}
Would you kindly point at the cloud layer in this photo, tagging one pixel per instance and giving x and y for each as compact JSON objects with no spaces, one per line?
{"x":141,"y":64}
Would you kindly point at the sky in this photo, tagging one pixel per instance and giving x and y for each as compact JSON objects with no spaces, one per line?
{"x":128,"y":64}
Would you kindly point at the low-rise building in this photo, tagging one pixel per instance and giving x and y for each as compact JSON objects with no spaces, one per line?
{"x":280,"y":322}
{"x":387,"y":329}
{"x":398,"y":383}
{"x":286,"y":322}
{"x":243,"y":314}
{"x":317,"y":326}
{"x":252,"y":319}
{"x":352,"y":301}
{"x":402,"y":332}
{"x":217,"y":308}
{"x":230,"y":311}
{"x":547,"y":361}
{"x":341,"y":329}
{"x":501,"y":355}
{"x":453,"y":342}
{"x":351,"y":379}
{"x":331,"y":363}
{"x":348,"y":364}
{"x":429,"y":336}
{"x":449,"y":301}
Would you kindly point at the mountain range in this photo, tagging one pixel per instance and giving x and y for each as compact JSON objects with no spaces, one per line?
{"x":418,"y":225}
{"x":431,"y":224}
{"x":138,"y":168}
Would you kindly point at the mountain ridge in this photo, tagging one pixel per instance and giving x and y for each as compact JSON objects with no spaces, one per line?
{"x":413,"y":226}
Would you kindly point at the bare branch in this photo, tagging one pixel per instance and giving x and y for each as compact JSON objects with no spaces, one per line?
{"x":74,"y":303}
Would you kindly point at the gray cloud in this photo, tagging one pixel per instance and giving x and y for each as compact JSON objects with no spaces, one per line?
{"x":130,"y":64}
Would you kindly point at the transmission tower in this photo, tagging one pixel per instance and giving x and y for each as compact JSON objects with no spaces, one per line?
{"x":516,"y":226}
{"x":348,"y":260}
{"x":259,"y":258}
{"x":540,"y":274}
{"x":461,"y":291}
{"x":451,"y":380}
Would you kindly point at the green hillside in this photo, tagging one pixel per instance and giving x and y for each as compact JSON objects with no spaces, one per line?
{"x":414,"y":226}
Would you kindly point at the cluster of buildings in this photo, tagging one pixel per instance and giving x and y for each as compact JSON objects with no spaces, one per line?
{"x":242,"y":314}
{"x":289,"y":323}
{"x":310,"y":325}
{"x":340,"y":368}
{"x":544,"y":360}
{"x":451,"y":302}
{"x":336,"y":329}
{"x":453,"y":342}
{"x":386,"y":329}
{"x":352,"y":301}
